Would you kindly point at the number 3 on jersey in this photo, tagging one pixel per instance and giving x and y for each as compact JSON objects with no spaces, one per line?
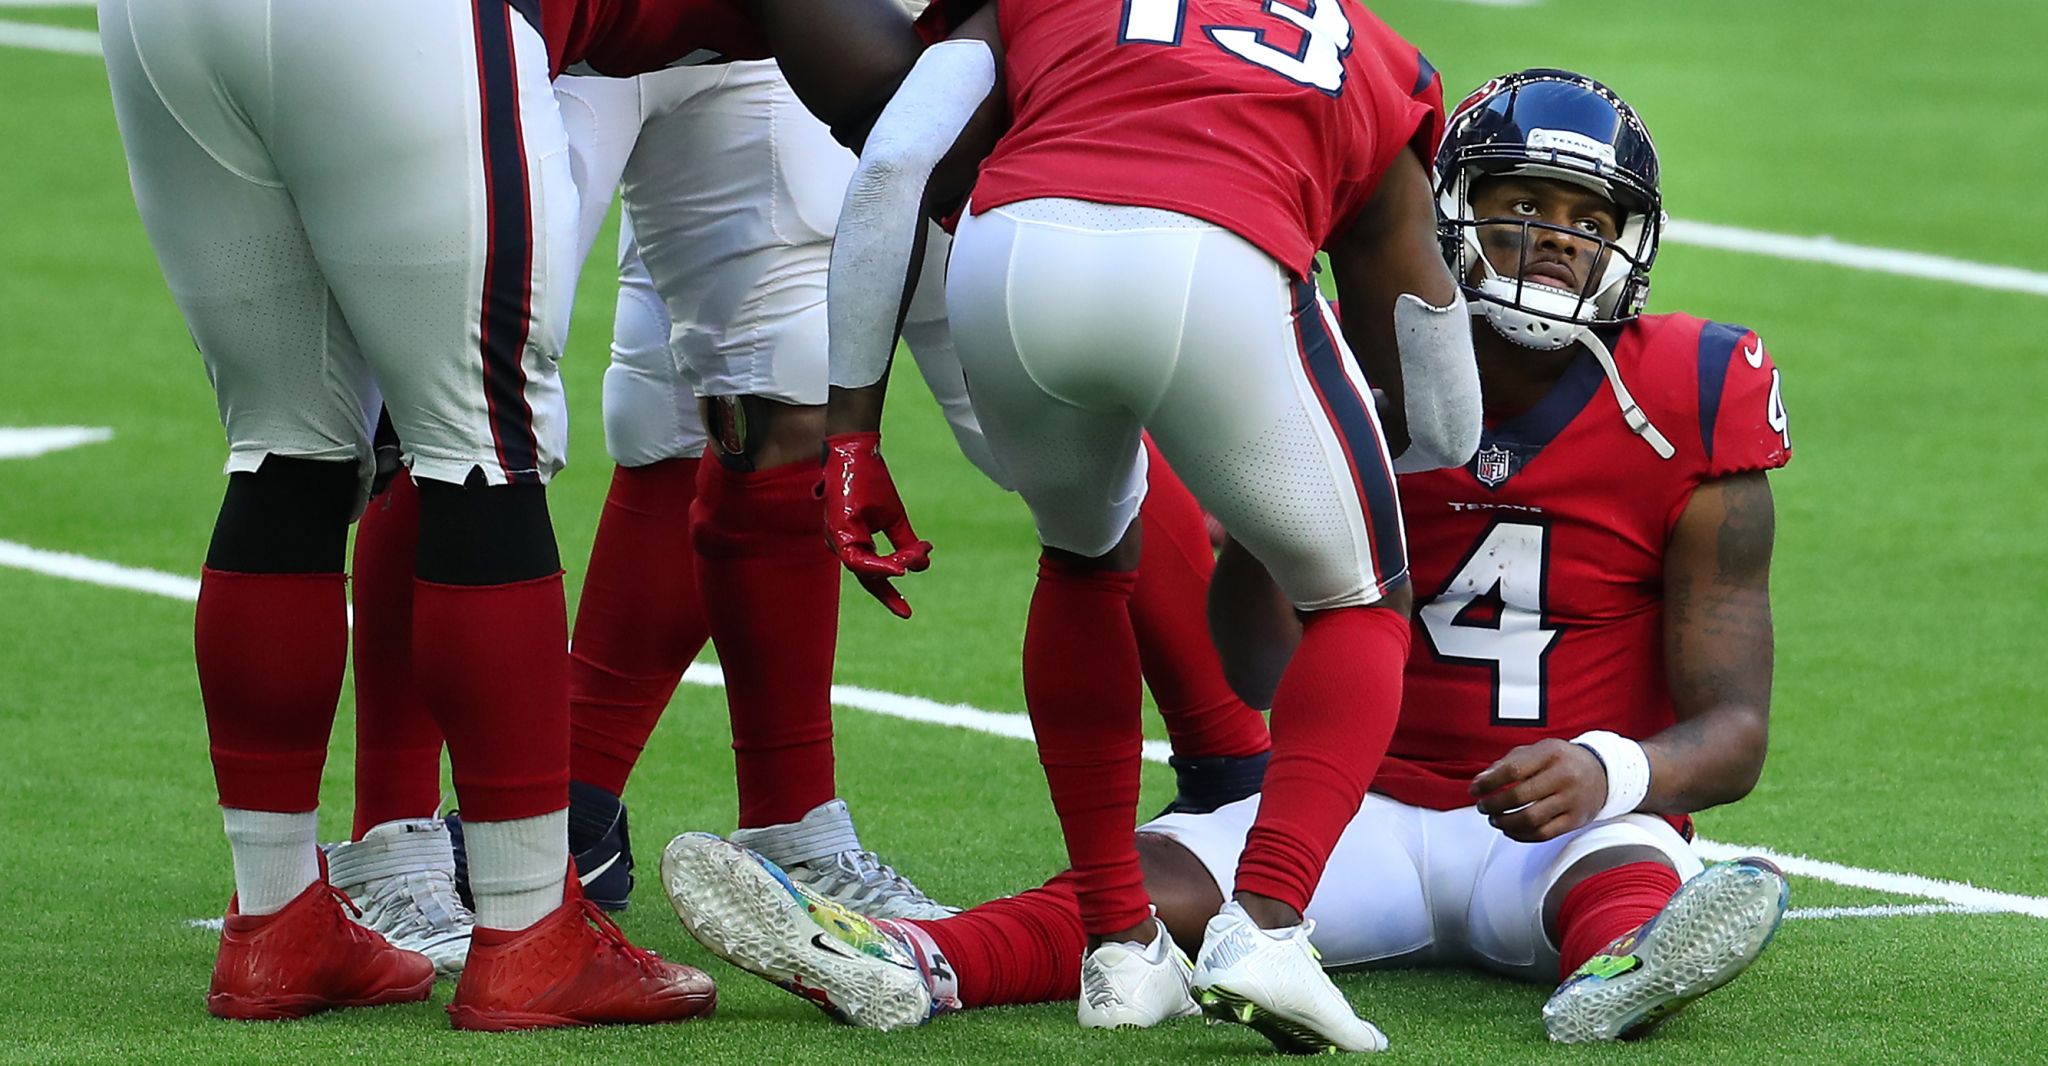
{"x":1317,"y":62}
{"x":1491,"y":614}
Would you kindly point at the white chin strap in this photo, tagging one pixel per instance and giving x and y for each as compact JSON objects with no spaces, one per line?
{"x":1507,"y":319}
{"x":1521,"y":327}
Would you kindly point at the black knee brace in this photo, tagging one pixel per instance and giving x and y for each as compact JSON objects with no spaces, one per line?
{"x":290,"y":516}
{"x":482,"y":534}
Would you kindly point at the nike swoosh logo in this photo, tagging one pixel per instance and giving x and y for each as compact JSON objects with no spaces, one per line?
{"x":586,"y":879}
{"x":830,"y":946}
{"x":1754,"y":356}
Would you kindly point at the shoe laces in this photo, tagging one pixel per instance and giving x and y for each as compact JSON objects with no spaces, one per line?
{"x":420,"y":903}
{"x":614,"y":938}
{"x":876,"y":880}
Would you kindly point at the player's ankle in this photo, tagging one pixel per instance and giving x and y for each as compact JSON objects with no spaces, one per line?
{"x":1267,"y":912}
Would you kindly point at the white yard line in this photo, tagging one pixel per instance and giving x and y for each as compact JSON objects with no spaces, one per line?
{"x":1884,"y":910}
{"x":97,"y":572}
{"x":1018,"y":727}
{"x":50,"y":38}
{"x":1859,"y":257}
{"x":27,"y":442}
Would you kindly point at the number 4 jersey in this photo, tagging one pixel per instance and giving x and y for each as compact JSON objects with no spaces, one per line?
{"x":1539,"y":565}
{"x":1272,"y":119}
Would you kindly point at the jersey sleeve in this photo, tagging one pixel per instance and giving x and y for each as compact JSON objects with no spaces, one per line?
{"x":1412,"y":114}
{"x":1743,"y":426}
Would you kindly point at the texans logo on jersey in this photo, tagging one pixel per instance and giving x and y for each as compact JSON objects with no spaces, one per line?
{"x":1493,"y":465}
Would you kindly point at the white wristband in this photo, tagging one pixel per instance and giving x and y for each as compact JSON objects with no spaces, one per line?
{"x":1628,"y":771}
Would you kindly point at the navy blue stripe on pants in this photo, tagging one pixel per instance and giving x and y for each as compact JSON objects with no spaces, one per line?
{"x":508,"y":261}
{"x":1355,"y":426}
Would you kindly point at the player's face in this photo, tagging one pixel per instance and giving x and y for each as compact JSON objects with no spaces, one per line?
{"x":1551,"y":254}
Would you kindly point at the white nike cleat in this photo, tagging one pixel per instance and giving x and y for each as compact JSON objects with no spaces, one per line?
{"x":822,"y":853}
{"x":402,"y":875}
{"x":1270,"y":980}
{"x":747,"y":912}
{"x":1132,"y":986}
{"x":1713,"y":928}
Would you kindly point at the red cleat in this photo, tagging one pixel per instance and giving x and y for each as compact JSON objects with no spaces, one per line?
{"x":307,"y":958}
{"x":573,"y":967}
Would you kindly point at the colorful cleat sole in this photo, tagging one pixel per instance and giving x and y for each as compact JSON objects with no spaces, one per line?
{"x":743,"y":909}
{"x":1713,"y":928}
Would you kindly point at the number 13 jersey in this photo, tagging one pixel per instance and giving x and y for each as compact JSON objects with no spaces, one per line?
{"x":1539,"y":565}
{"x":1274,"y":119}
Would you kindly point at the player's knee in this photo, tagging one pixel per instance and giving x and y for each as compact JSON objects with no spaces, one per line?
{"x":482,"y":534}
{"x":1181,"y":888}
{"x":1120,"y":556}
{"x":757,"y":433}
{"x":289,"y":516}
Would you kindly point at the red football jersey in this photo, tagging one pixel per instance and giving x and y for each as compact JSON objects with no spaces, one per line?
{"x":1539,"y":566}
{"x":625,"y":37}
{"x":1271,"y":118}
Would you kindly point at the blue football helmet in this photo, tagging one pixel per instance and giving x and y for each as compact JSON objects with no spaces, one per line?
{"x":1553,"y":124}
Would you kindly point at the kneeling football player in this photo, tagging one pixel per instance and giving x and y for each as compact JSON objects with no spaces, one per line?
{"x":1592,"y":657}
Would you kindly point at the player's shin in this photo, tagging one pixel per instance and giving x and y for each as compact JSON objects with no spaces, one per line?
{"x":273,"y":574}
{"x":1219,"y":742}
{"x":1024,"y":948}
{"x":1081,"y":686}
{"x":639,"y":622}
{"x":771,"y":593}
{"x":398,"y":743}
{"x":1333,"y":716}
{"x":490,"y":639}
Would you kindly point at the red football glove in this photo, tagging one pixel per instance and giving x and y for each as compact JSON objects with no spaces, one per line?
{"x":860,"y":501}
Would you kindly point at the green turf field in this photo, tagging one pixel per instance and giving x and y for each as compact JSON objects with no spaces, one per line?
{"x":1909,"y":592}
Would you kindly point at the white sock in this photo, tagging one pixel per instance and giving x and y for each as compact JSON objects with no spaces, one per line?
{"x":517,"y":869}
{"x":276,"y":856}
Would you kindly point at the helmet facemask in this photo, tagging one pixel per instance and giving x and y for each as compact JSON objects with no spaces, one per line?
{"x":1538,"y":314}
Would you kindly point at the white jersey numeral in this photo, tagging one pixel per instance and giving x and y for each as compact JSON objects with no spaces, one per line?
{"x":1317,"y":62}
{"x":1774,"y":412}
{"x":1504,"y":575}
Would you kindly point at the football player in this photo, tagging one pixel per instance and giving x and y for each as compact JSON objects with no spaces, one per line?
{"x":1137,"y":256}
{"x":1591,"y":664}
{"x":735,"y":189}
{"x":268,"y":150}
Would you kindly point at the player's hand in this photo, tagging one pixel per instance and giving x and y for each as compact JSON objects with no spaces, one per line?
{"x":861,"y":501}
{"x":1542,"y":791}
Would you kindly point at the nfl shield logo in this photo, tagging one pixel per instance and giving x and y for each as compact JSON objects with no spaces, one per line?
{"x":1493,"y":464}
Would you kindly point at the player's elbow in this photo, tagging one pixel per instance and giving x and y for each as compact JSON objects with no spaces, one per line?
{"x":1745,"y":740}
{"x":1440,"y":442}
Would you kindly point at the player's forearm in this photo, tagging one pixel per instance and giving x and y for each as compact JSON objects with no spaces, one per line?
{"x":1704,"y":761}
{"x":874,"y":250}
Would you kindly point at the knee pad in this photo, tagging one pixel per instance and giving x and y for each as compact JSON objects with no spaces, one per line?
{"x":482,"y":534}
{"x":289,"y":516}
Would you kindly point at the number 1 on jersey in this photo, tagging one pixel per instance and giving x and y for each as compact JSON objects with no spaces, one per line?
{"x":1503,"y":577}
{"x":1317,"y":62}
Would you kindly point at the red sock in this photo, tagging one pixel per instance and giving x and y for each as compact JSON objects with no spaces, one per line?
{"x":494,"y":668}
{"x":398,"y":743}
{"x":1081,"y":685}
{"x":270,"y":648}
{"x":771,"y":591}
{"x":1333,"y":716}
{"x":1169,"y":612}
{"x":1023,"y":949}
{"x":639,"y":623}
{"x":1608,"y":905}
